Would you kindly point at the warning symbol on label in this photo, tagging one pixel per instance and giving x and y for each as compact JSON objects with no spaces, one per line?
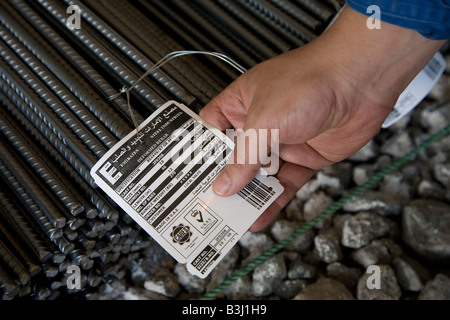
{"x":201,"y":217}
{"x":181,"y":234}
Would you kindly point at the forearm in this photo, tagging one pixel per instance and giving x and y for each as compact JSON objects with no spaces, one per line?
{"x":381,"y":61}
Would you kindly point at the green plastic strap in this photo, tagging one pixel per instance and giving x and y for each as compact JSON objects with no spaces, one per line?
{"x":328,"y":211}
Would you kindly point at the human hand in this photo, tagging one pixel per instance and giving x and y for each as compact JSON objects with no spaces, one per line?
{"x":327,"y":99}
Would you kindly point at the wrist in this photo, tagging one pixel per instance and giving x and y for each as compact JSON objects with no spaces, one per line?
{"x":380,"y":63}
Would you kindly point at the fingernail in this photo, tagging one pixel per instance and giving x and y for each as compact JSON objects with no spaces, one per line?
{"x":221,"y":184}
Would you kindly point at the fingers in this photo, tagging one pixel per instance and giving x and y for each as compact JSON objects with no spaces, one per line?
{"x":212,"y":113}
{"x":292,"y":177}
{"x":251,"y":151}
{"x":234,"y":177}
{"x":226,"y":110}
{"x":304,"y":155}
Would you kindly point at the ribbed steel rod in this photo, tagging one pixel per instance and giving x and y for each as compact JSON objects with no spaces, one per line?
{"x":39,"y":292}
{"x":14,"y":264}
{"x":255,"y":25}
{"x":93,"y":228}
{"x":47,"y":138}
{"x":78,"y":257}
{"x":52,"y":60}
{"x":31,"y":186}
{"x":9,"y":285}
{"x":58,"y":257}
{"x":64,"y":159}
{"x":69,"y":233}
{"x":154,"y":36}
{"x":40,"y":167}
{"x":231,"y":26}
{"x":86,"y":243}
{"x":12,"y":240}
{"x":28,"y":202}
{"x":124,"y":228}
{"x":283,"y":20}
{"x":73,"y":223}
{"x":127,"y":49}
{"x":149,"y":85}
{"x":105,"y":206}
{"x":246,"y":55}
{"x":35,"y":105}
{"x":23,"y":228}
{"x":97,"y":51}
{"x":49,"y":270}
{"x":317,"y":8}
{"x":188,"y":35}
{"x":53,"y":103}
{"x":80,"y":87}
{"x":298,"y":14}
{"x":94,"y":279}
{"x":184,"y":83}
{"x":88,"y":120}
{"x":274,"y":22}
{"x":64,"y":245}
{"x":75,"y":201}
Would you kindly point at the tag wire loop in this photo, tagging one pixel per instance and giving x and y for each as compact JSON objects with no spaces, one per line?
{"x":163,"y":61}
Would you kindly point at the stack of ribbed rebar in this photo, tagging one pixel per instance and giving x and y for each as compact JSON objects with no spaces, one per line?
{"x":56,"y":119}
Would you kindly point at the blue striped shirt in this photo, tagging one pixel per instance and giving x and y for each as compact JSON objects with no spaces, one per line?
{"x":431,"y":18}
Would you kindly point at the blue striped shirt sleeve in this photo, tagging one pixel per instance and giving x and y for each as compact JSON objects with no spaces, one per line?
{"x":431,"y":18}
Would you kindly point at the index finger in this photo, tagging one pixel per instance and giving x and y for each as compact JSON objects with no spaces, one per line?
{"x":226,"y":110}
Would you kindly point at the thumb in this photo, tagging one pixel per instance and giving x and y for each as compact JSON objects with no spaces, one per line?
{"x":234,"y":176}
{"x":249,"y":153}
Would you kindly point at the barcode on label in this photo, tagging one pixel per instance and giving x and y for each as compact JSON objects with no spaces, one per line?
{"x":256,"y":193}
{"x":433,"y":68}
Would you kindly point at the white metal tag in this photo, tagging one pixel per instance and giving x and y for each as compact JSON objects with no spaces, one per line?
{"x":161,"y":176}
